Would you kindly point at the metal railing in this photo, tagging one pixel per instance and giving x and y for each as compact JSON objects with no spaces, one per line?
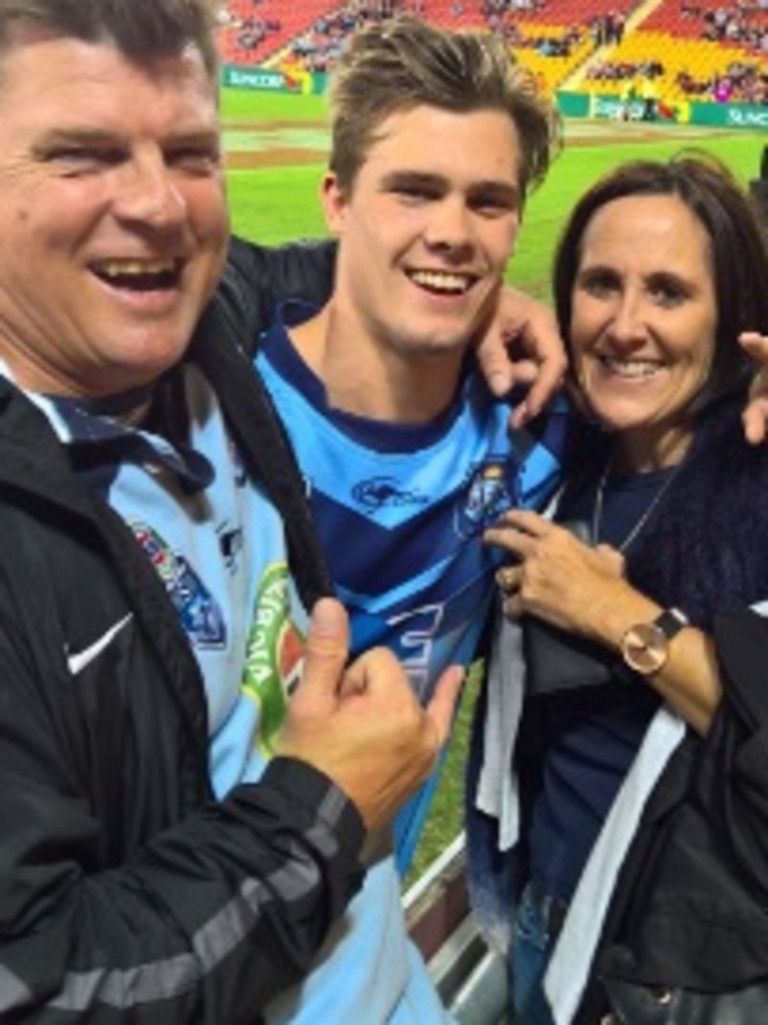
{"x":470,"y":978}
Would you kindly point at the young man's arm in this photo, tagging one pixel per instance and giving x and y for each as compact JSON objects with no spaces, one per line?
{"x":258,"y":278}
{"x":522,"y":346}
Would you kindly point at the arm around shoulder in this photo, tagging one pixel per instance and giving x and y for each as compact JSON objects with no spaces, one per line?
{"x":258,"y":278}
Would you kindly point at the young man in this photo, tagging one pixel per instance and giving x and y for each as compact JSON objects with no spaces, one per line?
{"x":437,"y":136}
{"x":144,"y":542}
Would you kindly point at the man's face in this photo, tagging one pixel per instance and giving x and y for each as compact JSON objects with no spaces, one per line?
{"x":113,"y":221}
{"x":426,"y":229}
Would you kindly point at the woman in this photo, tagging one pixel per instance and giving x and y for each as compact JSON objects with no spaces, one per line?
{"x":639,"y":864}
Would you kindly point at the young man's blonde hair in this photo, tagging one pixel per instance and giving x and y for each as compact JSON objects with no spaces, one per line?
{"x":405,"y":63}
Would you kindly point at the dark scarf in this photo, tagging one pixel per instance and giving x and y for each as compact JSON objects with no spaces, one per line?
{"x":705,"y":547}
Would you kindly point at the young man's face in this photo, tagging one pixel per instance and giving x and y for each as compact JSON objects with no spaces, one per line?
{"x":113,"y":221}
{"x":426,"y":229}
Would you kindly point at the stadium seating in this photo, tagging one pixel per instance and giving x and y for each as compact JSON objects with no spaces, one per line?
{"x":293,"y":18}
{"x":551,"y":71}
{"x":688,"y":18}
{"x":700,"y":61}
{"x":562,"y":13}
{"x":555,"y":39}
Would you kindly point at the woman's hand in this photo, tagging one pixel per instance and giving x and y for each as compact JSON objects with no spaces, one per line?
{"x":554,"y":575}
{"x":583,"y":590}
{"x":755,"y":415}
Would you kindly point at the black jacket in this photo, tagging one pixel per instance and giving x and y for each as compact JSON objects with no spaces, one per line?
{"x":689,"y":909}
{"x":126,"y":893}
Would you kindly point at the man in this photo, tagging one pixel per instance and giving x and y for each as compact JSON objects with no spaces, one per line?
{"x":437,"y":136}
{"x":143,"y":548}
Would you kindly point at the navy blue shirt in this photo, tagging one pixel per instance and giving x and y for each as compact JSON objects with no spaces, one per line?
{"x":589,"y":735}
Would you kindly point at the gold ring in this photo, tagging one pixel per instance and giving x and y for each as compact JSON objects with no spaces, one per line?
{"x":506,"y":578}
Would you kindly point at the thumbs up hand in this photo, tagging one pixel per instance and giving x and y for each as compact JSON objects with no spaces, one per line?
{"x":361,"y":724}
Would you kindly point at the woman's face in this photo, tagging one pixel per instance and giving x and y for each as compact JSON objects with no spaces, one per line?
{"x":644,"y":317}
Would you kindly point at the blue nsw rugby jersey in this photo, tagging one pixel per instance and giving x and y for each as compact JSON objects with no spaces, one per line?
{"x":401,"y":510}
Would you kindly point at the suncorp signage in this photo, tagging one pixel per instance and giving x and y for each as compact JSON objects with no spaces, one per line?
{"x":753,"y":118}
{"x":251,"y":78}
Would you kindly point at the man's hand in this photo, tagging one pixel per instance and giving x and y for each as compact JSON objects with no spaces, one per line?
{"x":522,"y":345}
{"x":755,"y":416}
{"x":362,"y":725}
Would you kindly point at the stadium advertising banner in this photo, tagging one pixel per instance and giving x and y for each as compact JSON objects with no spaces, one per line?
{"x":716,"y":115}
{"x":285,"y":79}
{"x":288,"y":78}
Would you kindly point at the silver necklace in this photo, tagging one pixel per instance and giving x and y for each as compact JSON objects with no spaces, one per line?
{"x":597,"y":509}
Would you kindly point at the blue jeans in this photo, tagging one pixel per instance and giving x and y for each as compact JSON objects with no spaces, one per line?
{"x":531,"y":949}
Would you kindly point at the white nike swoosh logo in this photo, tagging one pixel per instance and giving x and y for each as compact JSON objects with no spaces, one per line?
{"x":81,"y":659}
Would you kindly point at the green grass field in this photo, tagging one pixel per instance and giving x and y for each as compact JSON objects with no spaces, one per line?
{"x":276,"y":204}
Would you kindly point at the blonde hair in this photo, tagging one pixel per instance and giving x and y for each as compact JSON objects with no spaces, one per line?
{"x":405,"y":63}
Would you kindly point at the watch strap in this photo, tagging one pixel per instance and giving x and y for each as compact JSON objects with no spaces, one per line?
{"x":671,"y":621}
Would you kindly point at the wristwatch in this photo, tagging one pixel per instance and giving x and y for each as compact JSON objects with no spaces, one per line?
{"x":645,"y":646}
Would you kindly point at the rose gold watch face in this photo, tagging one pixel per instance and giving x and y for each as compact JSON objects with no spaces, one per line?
{"x":644,"y":648}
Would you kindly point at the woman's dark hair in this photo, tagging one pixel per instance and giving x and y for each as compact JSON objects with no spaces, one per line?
{"x":738,"y":248}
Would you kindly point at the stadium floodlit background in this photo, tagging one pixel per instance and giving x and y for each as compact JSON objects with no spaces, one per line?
{"x":648,"y":77}
{"x":641,"y":79}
